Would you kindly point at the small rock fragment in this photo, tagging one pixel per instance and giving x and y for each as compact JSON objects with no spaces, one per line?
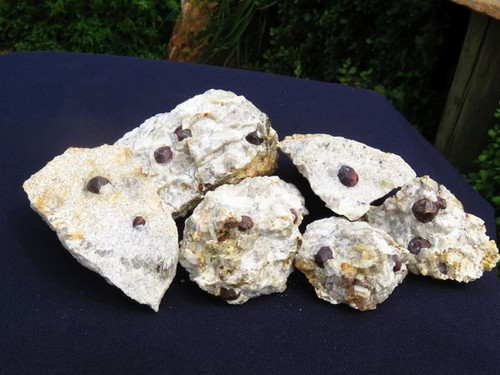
{"x":445,"y":242}
{"x":351,"y":262}
{"x":347,"y":175}
{"x":240,"y":241}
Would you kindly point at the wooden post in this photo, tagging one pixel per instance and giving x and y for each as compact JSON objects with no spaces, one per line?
{"x":474,"y":94}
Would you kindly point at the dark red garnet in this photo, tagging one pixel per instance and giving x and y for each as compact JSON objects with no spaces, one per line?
{"x":182,"y":133}
{"x":348,"y":176}
{"x":425,"y":210}
{"x":138,"y":220}
{"x":323,"y":255}
{"x":163,"y":155}
{"x":94,"y":185}
{"x":245,"y":223}
{"x":416,"y":244}
{"x":254,"y":138}
{"x":228,"y":294}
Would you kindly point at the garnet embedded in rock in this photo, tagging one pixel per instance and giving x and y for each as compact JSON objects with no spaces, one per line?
{"x":443,"y":268}
{"x":138,"y":220}
{"x":254,"y":138}
{"x":425,"y":210}
{"x":323,"y":255}
{"x":416,"y":244}
{"x":94,"y":185}
{"x":347,"y":176}
{"x":295,"y":215}
{"x":182,"y":133}
{"x":441,"y":203}
{"x":397,"y":263}
{"x":228,"y":294}
{"x":163,"y":154}
{"x":245,"y":223}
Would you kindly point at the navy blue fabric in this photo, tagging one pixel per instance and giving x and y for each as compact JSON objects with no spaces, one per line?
{"x":58,"y":317}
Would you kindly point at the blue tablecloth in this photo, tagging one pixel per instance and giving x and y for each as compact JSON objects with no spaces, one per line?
{"x":58,"y":317}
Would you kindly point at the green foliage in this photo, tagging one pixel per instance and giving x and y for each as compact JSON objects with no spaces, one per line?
{"x":392,"y":47}
{"x":122,"y":27}
{"x":236,"y":32}
{"x":486,"y":179}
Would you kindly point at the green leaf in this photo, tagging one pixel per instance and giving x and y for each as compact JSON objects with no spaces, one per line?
{"x":380,"y":89}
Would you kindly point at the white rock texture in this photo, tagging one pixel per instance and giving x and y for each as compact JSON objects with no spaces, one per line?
{"x":457,"y":246}
{"x":98,"y":228}
{"x":351,"y":262}
{"x":216,"y":137}
{"x":319,"y":157}
{"x":240,"y":241}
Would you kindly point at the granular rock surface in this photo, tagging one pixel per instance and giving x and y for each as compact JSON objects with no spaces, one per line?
{"x":445,"y":242}
{"x":110,"y":218}
{"x":213,"y":138}
{"x":351,"y":262}
{"x":240,"y":241}
{"x":347,"y":175}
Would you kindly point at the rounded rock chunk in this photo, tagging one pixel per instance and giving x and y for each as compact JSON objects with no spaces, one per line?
{"x":241,"y":239}
{"x":213,"y":138}
{"x":445,"y":242}
{"x":356,"y":264}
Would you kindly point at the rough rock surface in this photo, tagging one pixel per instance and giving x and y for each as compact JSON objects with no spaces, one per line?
{"x":445,"y":242}
{"x":110,"y":218}
{"x":213,"y":138}
{"x":240,"y":241}
{"x":347,"y":175}
{"x":351,"y":262}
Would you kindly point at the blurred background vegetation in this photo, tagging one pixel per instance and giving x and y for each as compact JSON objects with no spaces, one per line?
{"x":407,"y":50}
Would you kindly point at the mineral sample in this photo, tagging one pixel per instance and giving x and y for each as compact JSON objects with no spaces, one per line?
{"x":347,"y":175}
{"x":211,"y":139}
{"x":351,"y":262}
{"x":110,"y":218}
{"x":241,"y":239}
{"x":444,"y":241}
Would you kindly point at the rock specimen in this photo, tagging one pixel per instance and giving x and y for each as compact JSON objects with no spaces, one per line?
{"x":351,"y":262}
{"x":347,"y":175}
{"x":211,"y":139}
{"x":445,"y":242}
{"x":240,"y":241}
{"x":110,"y":218}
